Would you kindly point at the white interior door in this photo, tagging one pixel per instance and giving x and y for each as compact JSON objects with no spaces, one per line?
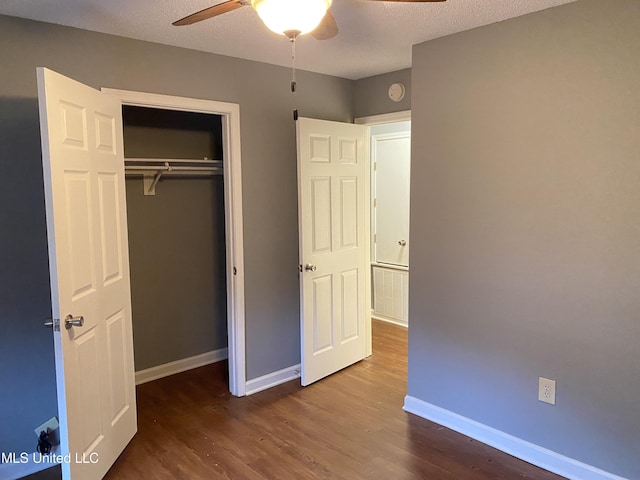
{"x":333,"y":191}
{"x":391,"y":155}
{"x":82,"y":152}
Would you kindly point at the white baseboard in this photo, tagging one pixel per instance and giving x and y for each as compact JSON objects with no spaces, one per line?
{"x":28,"y":464}
{"x":382,"y":318}
{"x":272,"y":379}
{"x":179,"y":366}
{"x":529,"y":452}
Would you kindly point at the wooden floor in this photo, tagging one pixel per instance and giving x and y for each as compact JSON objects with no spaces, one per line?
{"x":348,"y":426}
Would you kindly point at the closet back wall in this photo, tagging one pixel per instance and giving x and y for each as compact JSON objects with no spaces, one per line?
{"x":176,"y":240}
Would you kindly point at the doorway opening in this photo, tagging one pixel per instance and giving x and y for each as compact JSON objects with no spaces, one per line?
{"x":390,"y":154}
{"x":175,"y":216}
{"x":186,"y":244}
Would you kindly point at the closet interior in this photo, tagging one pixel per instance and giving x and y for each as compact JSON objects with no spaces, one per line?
{"x":175,"y":208}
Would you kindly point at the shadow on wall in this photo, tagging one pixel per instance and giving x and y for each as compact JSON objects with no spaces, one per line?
{"x":27,"y":393}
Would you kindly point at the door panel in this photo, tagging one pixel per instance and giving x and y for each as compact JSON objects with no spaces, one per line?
{"x":109,"y":194}
{"x":322,"y":314}
{"x":350,"y":308}
{"x":88,"y":256}
{"x":348,"y":212}
{"x":333,"y":203}
{"x":80,"y":235}
{"x":392,"y":157}
{"x":120,"y":389}
{"x":321,"y":214}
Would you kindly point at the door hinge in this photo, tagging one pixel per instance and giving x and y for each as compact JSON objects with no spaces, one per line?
{"x":375,"y":202}
{"x":300,"y":268}
{"x":375,"y":238}
{"x":375,"y":166}
{"x":235,"y":271}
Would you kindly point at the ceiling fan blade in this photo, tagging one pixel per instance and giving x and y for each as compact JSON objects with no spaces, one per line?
{"x":219,"y":9}
{"x":327,"y":28}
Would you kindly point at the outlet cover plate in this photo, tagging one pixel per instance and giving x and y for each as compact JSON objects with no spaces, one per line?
{"x":547,"y":390}
{"x":49,"y":426}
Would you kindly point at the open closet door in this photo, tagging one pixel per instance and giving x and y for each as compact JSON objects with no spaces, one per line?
{"x":333,"y":200}
{"x":82,"y":154}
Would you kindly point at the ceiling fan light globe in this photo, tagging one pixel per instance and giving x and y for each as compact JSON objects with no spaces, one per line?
{"x":281,"y":16}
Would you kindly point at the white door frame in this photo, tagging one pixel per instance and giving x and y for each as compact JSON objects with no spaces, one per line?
{"x":230,"y":113}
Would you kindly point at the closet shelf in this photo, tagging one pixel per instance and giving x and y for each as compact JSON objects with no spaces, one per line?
{"x":152,"y":169}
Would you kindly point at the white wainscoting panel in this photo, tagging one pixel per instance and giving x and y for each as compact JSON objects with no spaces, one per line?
{"x":391,"y":294}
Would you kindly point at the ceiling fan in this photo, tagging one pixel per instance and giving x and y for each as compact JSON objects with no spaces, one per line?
{"x":286,"y":17}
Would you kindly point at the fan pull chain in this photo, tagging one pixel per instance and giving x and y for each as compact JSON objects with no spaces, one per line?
{"x":292,"y":39}
{"x":293,"y":64}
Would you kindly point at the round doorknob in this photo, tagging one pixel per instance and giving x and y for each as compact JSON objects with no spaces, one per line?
{"x":310,"y":268}
{"x":71,"y":321}
{"x":402,"y":243}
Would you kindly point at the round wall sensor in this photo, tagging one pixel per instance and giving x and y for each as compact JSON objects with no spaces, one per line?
{"x":396,"y":92}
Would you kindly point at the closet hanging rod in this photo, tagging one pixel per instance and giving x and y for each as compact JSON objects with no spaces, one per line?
{"x":151,"y":174}
{"x":205,"y":161}
{"x":169,"y":168}
{"x":186,"y":173}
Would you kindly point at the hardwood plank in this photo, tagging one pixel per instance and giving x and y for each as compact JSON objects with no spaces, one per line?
{"x":347,"y":426}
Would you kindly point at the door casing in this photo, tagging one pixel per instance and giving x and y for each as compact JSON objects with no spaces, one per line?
{"x":230,"y":113}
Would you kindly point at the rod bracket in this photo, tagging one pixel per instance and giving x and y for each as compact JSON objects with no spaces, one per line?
{"x":149,"y":182}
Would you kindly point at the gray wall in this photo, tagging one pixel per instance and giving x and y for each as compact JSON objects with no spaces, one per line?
{"x":386,"y":128}
{"x":176,"y":240}
{"x":269,"y":191}
{"x":27,"y":395}
{"x":524,"y":259}
{"x":371,"y":94}
{"x":177,"y":259}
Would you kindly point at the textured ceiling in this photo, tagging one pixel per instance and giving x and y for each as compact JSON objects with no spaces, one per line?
{"x":375,"y":37}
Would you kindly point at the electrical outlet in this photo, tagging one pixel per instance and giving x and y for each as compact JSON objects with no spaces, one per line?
{"x":48,"y":426}
{"x":547,"y":390}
